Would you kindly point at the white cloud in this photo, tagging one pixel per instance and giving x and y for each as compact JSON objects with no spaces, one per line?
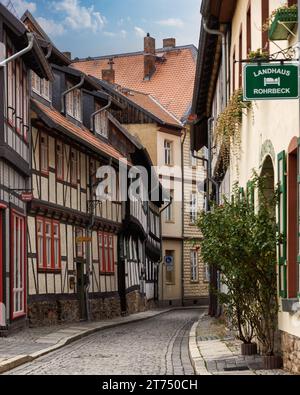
{"x":22,"y":5}
{"x":79,"y":17}
{"x":109,"y":34}
{"x":51,"y":27}
{"x":171,"y":22}
{"x":123,"y":33}
{"x":139,"y":32}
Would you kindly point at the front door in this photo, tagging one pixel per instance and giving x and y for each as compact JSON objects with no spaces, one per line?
{"x":81,"y":290}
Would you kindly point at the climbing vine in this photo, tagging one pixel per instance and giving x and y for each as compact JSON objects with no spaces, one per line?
{"x":228,"y":127}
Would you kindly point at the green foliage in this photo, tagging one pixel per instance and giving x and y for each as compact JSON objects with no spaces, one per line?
{"x":227,"y":131}
{"x":240,"y":241}
{"x":258,"y":55}
{"x":285,"y":7}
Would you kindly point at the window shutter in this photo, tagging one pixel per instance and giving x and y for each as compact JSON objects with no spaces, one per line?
{"x":282,"y":224}
{"x":298,"y":215}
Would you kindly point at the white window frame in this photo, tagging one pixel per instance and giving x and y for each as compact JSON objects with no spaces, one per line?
{"x":168,"y":152}
{"x":73,"y":103}
{"x":193,"y":208}
{"x":101,"y":122}
{"x":194,"y":266}
{"x":40,"y":86}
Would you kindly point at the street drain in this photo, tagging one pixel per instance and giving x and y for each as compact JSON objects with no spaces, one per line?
{"x":236,"y":369}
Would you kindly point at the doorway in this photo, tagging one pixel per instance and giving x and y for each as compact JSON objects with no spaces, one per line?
{"x":81,"y":290}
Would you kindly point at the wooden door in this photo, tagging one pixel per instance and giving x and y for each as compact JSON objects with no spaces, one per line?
{"x":81,"y":290}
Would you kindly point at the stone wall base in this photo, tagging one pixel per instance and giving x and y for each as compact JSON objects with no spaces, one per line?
{"x":54,"y":312}
{"x":136,"y":302}
{"x":291,"y":352}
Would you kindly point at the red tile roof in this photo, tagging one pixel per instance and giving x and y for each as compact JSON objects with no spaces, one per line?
{"x":172,"y":83}
{"x":81,"y":133}
{"x":152,"y":105}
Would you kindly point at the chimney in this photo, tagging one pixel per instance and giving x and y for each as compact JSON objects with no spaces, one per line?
{"x":149,"y":57}
{"x":169,"y":43}
{"x":108,"y":75}
{"x":68,"y":55}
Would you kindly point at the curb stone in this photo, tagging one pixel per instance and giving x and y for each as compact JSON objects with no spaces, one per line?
{"x":19,"y":360}
{"x":198,"y":362}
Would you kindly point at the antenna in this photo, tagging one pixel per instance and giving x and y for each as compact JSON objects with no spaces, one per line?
{"x":10,"y":6}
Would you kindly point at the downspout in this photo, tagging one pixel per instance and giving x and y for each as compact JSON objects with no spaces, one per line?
{"x":17,"y":55}
{"x":224,"y":60}
{"x":93,"y":116}
{"x":64,"y":94}
{"x":182,"y":218}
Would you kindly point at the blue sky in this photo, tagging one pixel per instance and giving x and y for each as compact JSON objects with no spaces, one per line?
{"x":97,"y":27}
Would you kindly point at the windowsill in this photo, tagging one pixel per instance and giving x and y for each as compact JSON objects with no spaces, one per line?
{"x":170,"y":284}
{"x":15,"y":316}
{"x":42,"y":96}
{"x":170,"y":222}
{"x":45,"y":173}
{"x":73,"y":117}
{"x":195,"y":282}
{"x":107,"y":273}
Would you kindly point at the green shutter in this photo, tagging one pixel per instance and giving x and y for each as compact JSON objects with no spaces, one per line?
{"x":282,"y":224}
{"x":250,"y":194}
{"x":298,"y":215}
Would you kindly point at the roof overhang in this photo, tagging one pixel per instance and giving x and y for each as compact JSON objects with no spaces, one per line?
{"x":217,"y":14}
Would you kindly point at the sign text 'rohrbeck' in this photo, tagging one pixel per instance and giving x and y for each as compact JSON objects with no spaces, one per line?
{"x":271,"y":82}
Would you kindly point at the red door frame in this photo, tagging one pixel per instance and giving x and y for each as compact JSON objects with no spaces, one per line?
{"x":24,"y":256}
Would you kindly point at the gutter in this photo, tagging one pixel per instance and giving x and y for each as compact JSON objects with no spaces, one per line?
{"x":182,"y":217}
{"x":93,"y":116}
{"x":17,"y":55}
{"x":69,"y":91}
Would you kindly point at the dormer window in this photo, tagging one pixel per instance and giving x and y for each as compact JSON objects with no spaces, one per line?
{"x":73,"y":103}
{"x":40,"y":86}
{"x":101,"y":122}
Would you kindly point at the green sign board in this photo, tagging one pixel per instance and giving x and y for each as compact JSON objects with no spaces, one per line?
{"x":271,"y":82}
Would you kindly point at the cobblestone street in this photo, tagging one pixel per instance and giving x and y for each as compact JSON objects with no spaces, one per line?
{"x":157,"y":346}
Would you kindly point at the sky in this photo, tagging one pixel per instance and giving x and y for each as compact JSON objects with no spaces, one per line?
{"x":103,"y":27}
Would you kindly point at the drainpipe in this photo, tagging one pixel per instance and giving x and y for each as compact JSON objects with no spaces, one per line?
{"x":93,"y":116}
{"x":182,"y":218}
{"x":30,"y":37}
{"x":69,"y":91}
{"x":224,"y":60}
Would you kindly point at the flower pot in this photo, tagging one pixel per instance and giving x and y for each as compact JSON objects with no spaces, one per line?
{"x":277,"y":30}
{"x":272,"y":362}
{"x":249,"y":349}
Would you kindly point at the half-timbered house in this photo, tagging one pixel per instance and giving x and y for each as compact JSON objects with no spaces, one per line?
{"x":19,"y":53}
{"x":88,"y":256}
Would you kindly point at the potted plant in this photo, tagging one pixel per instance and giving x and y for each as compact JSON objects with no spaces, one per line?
{"x":258,"y":56}
{"x":281,"y":22}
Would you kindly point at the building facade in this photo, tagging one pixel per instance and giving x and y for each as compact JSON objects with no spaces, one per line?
{"x":162,"y":86}
{"x":20,"y":53}
{"x":269,"y":133}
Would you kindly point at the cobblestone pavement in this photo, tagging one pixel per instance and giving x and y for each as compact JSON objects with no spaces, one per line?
{"x":158,"y":346}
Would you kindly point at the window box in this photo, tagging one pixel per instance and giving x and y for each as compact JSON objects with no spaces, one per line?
{"x":284,"y":18}
{"x":290,"y":305}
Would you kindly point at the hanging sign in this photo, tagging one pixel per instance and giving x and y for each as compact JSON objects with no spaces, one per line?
{"x":271,"y":81}
{"x":27,"y":196}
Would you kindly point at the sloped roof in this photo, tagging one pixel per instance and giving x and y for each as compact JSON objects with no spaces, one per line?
{"x":172,"y":83}
{"x":81,"y":134}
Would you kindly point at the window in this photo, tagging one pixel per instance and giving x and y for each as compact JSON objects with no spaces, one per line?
{"x":170,"y":267}
{"x":101,"y":122}
{"x":18,"y":262}
{"x":48,"y":244}
{"x":106,"y":252}
{"x":249,"y":36}
{"x":79,"y":245}
{"x":74,"y":167}
{"x":44,"y":153}
{"x":59,"y":160}
{"x":194,"y":266}
{"x":168,"y":152}
{"x":193,"y":160}
{"x":169,"y":210}
{"x":193,"y":208}
{"x":40,"y":86}
{"x":73,"y":103}
{"x":265,"y":16}
{"x":240,"y":59}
